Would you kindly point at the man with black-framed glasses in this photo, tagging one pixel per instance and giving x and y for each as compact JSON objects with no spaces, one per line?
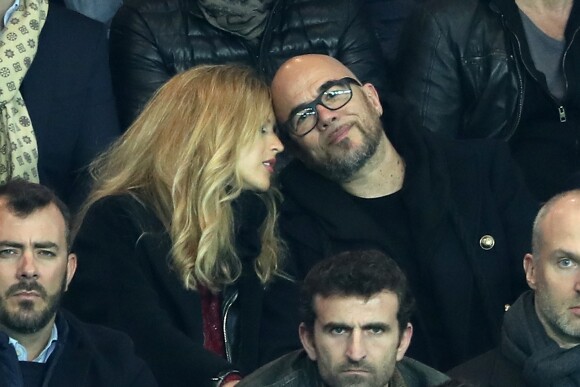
{"x":455,"y":216}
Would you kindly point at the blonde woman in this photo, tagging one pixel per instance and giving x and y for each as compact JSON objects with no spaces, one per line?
{"x":178,"y":237}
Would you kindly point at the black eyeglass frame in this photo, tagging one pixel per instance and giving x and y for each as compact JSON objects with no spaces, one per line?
{"x":318,"y":101}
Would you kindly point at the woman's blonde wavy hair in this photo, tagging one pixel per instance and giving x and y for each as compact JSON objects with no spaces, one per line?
{"x":179,"y":159}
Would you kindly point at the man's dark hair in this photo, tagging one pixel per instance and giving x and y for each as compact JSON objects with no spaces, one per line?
{"x":23,"y":198}
{"x":361,"y":273}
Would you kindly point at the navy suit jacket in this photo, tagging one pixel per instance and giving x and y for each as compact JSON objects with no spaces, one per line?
{"x":69,"y":97}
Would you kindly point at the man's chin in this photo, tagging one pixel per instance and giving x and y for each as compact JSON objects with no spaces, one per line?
{"x":354,"y":380}
{"x":28,"y":317}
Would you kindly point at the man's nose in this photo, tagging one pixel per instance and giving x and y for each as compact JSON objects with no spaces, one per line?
{"x":325,"y":117}
{"x":577,"y":282}
{"x":27,"y":265}
{"x":356,"y":350}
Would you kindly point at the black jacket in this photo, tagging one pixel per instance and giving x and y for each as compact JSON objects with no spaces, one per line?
{"x":124,"y":280}
{"x":527,"y":356}
{"x":152,"y":40}
{"x":85,"y":356}
{"x":297,"y":370}
{"x":455,"y":193}
{"x":462,"y":63}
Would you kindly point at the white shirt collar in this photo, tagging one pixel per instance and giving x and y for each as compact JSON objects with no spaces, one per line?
{"x":22,"y":353}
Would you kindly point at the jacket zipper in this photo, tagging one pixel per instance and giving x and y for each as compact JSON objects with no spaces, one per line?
{"x":227,"y":305}
{"x":562,"y":113}
{"x":561,"y":108}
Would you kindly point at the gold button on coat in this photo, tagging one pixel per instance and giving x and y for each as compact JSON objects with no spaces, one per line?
{"x":487,"y":242}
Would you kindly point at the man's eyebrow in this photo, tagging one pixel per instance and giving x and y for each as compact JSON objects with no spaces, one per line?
{"x":12,"y":244}
{"x":558,"y":253}
{"x":45,"y":245}
{"x":36,"y":245}
{"x":327,"y":84}
{"x":385,"y":327}
{"x":332,"y":325}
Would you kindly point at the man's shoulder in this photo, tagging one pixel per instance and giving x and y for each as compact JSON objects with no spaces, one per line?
{"x":98,"y":338}
{"x":65,"y":20}
{"x":67,"y":40}
{"x":417,"y":374}
{"x":489,"y":369}
{"x":291,"y":370}
{"x":101,"y":354}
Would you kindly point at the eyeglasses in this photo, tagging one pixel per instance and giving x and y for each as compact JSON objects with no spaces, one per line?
{"x":304,"y":118}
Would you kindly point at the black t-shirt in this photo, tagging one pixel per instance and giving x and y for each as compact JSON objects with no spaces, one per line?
{"x":390,"y":213}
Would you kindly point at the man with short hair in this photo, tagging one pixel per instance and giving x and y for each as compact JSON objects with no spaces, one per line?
{"x":541,"y":330}
{"x":40,"y":345}
{"x":455,"y":216}
{"x":356,"y":310}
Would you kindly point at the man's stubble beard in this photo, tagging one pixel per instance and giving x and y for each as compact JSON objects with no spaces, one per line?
{"x":557,"y":317}
{"x":25,"y":320}
{"x":341,"y":162}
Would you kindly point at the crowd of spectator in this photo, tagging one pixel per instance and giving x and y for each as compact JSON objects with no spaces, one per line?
{"x":268,"y":192}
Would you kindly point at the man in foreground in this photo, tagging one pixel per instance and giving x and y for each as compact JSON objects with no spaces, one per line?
{"x":40,"y":345}
{"x":355,"y":329}
{"x":541,"y":330}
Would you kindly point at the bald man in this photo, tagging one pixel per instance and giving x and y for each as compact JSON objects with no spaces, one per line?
{"x":454,"y":215}
{"x":541,"y":331}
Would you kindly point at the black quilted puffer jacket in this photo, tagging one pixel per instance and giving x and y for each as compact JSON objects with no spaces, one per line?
{"x":151,"y":40}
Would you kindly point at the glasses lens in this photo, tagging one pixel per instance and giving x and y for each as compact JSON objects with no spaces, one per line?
{"x":304,"y":120}
{"x":336,"y":97}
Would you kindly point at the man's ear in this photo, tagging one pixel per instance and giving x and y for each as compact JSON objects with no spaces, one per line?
{"x":405,"y":341}
{"x":530,"y":268}
{"x":373,"y":97}
{"x":307,"y":339}
{"x":71,"y":267}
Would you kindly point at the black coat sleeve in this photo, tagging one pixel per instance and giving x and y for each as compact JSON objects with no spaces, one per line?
{"x":137,"y":66}
{"x":427,"y":73}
